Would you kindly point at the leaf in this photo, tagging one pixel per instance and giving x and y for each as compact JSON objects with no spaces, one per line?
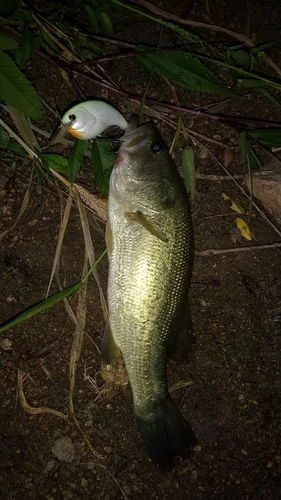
{"x":268,"y":137}
{"x":6,"y":6}
{"x":189,"y":171}
{"x":264,"y":46}
{"x":75,"y":158}
{"x":16,"y":90}
{"x":92,"y":16}
{"x":44,"y":38}
{"x":251,"y":84}
{"x":7,"y":43}
{"x":238,"y":55}
{"x":42,"y":306}
{"x":265,"y":93}
{"x":58,"y":162}
{"x":244,"y":229}
{"x":7,"y":143}
{"x":24,"y":127}
{"x":4,"y":138}
{"x":106,"y":23}
{"x":24,"y":51}
{"x":234,"y":206}
{"x":103,"y":160}
{"x":249,"y":157}
{"x":251,"y":285}
{"x":93,"y":48}
{"x":183,"y":69}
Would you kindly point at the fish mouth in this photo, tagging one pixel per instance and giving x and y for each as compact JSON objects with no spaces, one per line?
{"x":135,"y":138}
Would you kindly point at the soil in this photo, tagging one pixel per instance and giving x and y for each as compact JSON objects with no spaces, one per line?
{"x":231,"y":390}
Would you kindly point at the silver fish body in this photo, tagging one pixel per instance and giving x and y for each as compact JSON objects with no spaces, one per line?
{"x":150,"y":246}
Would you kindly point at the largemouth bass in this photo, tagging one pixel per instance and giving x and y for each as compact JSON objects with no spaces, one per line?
{"x":150,"y":246}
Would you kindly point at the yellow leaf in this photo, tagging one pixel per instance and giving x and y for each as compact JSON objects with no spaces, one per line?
{"x":234,"y":206}
{"x":244,"y":229}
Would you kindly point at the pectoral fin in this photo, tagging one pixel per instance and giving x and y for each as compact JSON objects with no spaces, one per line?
{"x":109,"y":349}
{"x":148,"y":223}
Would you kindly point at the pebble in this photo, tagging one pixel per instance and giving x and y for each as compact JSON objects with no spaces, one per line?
{"x":194,"y":475}
{"x":64,"y":449}
{"x":84,"y":482}
{"x":50,"y":465}
{"x":6,"y":344}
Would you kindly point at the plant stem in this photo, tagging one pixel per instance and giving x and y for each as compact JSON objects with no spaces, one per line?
{"x":255,"y":76}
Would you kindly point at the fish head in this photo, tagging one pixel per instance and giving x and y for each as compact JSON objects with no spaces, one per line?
{"x":144,"y":179}
{"x":143,"y":153}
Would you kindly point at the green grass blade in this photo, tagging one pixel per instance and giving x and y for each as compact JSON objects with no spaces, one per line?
{"x":268,"y":137}
{"x":188,"y":166}
{"x":41,"y":306}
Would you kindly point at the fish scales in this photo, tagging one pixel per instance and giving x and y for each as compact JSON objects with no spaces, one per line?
{"x":150,"y":246}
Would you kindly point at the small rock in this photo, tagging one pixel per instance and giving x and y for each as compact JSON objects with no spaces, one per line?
{"x":267,"y":188}
{"x":127,"y":489}
{"x":50,"y":465}
{"x":64,"y":449}
{"x":3,"y":181}
{"x":6,"y":344}
{"x":194,"y":475}
{"x":84,"y":482}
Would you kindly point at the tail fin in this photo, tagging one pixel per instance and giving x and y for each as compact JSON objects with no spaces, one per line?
{"x":167,"y":437}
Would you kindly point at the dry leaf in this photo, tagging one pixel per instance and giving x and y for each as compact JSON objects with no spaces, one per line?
{"x":234,"y":206}
{"x":244,"y":229}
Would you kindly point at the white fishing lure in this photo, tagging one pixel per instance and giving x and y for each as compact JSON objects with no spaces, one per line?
{"x":89,"y":119}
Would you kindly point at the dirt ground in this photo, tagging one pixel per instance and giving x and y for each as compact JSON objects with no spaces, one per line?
{"x":231,"y":395}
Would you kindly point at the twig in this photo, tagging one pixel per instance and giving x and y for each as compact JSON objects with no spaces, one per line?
{"x":61,"y":45}
{"x":20,"y":141}
{"x":163,"y":118}
{"x":178,"y":20}
{"x":70,"y":70}
{"x":114,"y":41}
{"x":209,"y":252}
{"x":264,"y":216}
{"x":35,"y":410}
{"x":209,"y":177}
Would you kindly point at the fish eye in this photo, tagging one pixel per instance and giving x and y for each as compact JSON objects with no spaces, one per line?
{"x":72,"y":117}
{"x":156,"y":148}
